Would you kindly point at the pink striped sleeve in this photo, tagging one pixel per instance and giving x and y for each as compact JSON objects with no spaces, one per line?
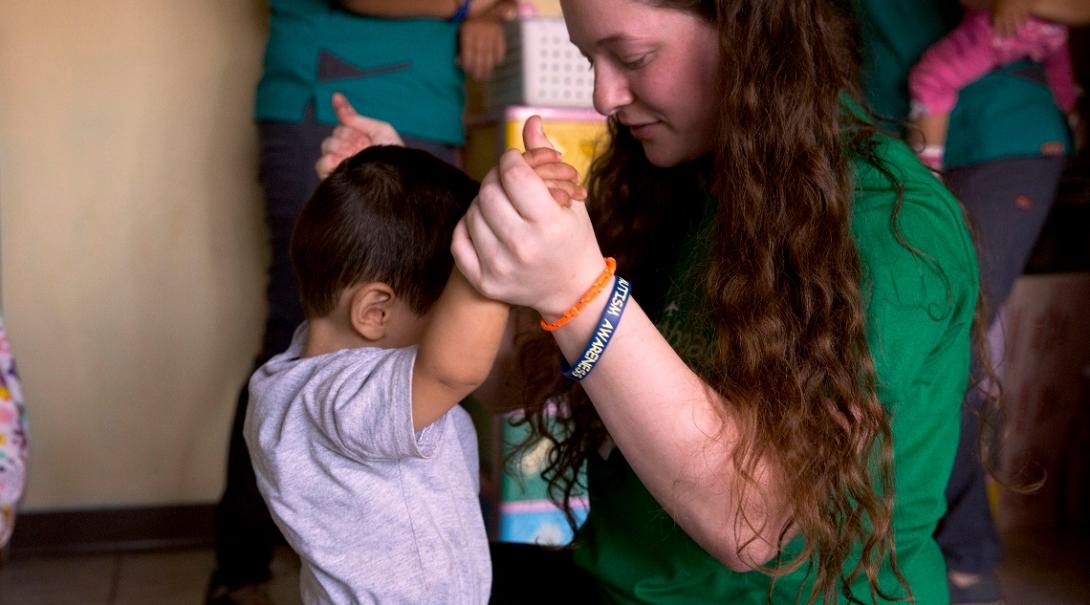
{"x":952,"y":63}
{"x":1061,"y":78}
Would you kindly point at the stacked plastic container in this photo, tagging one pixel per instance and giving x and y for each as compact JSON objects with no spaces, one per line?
{"x":525,"y":512}
{"x":542,"y":68}
{"x":543,"y":74}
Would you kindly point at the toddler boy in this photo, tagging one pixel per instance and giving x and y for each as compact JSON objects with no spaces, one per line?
{"x":367,"y":463}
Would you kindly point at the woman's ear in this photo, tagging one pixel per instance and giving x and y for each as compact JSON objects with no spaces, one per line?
{"x":369,"y":310}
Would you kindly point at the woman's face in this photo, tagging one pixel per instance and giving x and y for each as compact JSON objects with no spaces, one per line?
{"x":657,"y":69}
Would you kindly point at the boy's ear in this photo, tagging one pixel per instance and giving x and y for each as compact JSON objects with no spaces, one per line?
{"x":369,"y":310}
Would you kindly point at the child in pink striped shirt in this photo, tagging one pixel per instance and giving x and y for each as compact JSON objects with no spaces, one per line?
{"x":977,"y":46}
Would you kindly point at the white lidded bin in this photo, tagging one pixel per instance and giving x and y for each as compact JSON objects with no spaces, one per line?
{"x":542,"y":68}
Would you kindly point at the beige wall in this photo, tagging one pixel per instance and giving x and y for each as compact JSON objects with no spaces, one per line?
{"x":132,"y":239}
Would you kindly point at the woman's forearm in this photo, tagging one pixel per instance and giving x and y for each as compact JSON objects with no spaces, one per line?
{"x":672,"y":430}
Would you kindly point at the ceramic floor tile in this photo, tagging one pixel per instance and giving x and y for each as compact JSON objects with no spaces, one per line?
{"x":284,"y":587}
{"x":180,"y":578}
{"x":77,"y":580}
{"x":1038,"y":569}
{"x":163,"y":578}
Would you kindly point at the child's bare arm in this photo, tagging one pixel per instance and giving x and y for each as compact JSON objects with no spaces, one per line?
{"x":457,"y":350}
{"x":466,"y":329}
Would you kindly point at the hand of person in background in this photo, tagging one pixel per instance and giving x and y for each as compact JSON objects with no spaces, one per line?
{"x":1008,"y":16}
{"x":353,"y":134}
{"x":562,"y":179}
{"x":481,"y":41}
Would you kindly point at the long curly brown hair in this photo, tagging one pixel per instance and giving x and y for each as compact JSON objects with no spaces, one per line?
{"x":781,"y":281}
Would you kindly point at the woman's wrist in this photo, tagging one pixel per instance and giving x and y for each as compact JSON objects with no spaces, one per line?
{"x":600,"y":283}
{"x":596,"y":345}
{"x":578,"y":285}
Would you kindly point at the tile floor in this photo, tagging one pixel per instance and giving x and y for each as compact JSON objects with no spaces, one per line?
{"x":1038,"y":570}
{"x":175,"y":577}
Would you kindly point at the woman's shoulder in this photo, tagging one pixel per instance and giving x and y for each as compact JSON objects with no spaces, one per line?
{"x":890,"y":164}
{"x":911,"y":233}
{"x":892,"y":188}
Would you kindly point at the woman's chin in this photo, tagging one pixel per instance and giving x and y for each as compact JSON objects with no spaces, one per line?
{"x":666,"y":156}
{"x":659,"y":156}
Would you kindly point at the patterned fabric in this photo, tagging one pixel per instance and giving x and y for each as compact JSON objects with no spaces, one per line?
{"x":13,"y":439}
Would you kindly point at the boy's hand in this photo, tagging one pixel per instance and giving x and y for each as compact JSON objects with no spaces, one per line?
{"x":1008,"y":16}
{"x":561,"y":178}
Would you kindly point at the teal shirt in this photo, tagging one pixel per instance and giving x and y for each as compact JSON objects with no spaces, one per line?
{"x":1009,"y":113}
{"x":401,"y":71}
{"x":919,"y":310}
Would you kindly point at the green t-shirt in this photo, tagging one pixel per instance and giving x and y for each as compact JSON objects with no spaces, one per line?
{"x":1008,"y":113}
{"x":401,"y":71}
{"x":919,"y":313}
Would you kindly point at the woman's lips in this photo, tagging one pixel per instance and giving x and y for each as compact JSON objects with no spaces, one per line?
{"x":640,"y":129}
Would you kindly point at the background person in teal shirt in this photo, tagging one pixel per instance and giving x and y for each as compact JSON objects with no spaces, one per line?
{"x":399,"y":59}
{"x":1005,"y":151}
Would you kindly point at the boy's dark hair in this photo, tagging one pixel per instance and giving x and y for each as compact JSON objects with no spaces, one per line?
{"x":386,"y":214}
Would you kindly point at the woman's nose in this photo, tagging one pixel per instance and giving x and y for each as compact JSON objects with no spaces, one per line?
{"x":611,"y":90}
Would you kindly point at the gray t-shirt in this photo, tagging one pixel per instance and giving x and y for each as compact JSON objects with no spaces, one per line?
{"x":377,"y":512}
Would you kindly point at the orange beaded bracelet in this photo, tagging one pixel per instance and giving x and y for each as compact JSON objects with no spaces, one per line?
{"x":592,"y":293}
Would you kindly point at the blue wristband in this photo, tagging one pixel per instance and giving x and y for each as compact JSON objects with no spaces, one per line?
{"x":462,"y":12}
{"x":607,"y":325}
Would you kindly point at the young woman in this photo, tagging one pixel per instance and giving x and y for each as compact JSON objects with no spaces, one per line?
{"x":776,"y":412}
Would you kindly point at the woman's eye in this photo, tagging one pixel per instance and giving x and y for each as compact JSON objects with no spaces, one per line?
{"x":636,"y":63}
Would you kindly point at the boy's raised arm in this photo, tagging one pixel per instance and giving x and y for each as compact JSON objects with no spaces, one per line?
{"x":457,"y":351}
{"x":466,"y":329}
